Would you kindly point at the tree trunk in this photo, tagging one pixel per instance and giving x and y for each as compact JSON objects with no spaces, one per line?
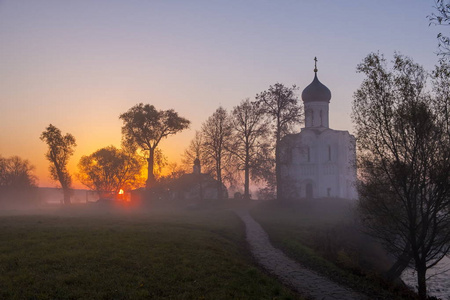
{"x":247,"y":178}
{"x":219,"y":183}
{"x":63,"y":180}
{"x":278,"y":179}
{"x":150,"y":175}
{"x":66,"y":192}
{"x":400,"y":265}
{"x":421,"y":281}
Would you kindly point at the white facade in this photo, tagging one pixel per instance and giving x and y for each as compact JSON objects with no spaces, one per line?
{"x":318,"y":161}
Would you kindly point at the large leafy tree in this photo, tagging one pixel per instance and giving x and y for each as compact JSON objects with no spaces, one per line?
{"x":249,"y":140}
{"x":404,"y":161}
{"x":108,"y":170}
{"x":60,"y":149}
{"x":281,"y":105}
{"x":144,"y":127}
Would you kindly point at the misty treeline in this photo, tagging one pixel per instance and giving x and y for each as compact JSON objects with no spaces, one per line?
{"x":235,"y":147}
{"x":241,"y":145}
{"x":403,"y":139}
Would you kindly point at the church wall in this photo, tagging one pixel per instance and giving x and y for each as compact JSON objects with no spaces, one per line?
{"x":322,"y":160}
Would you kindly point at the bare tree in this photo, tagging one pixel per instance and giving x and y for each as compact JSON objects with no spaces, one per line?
{"x":60,"y":149}
{"x":108,"y":170}
{"x":216,"y":132}
{"x":17,"y":182}
{"x":175,"y":171}
{"x":441,"y":89}
{"x":16,"y":173}
{"x":159,"y":163}
{"x":145,"y":127}
{"x":194,"y":151}
{"x":281,"y":105}
{"x":249,"y":141}
{"x":404,"y":163}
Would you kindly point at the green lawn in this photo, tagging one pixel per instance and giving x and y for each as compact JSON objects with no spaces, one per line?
{"x":178,"y":255}
{"x":324,"y":237}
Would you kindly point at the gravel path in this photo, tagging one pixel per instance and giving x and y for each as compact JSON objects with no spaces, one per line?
{"x":304,"y":281}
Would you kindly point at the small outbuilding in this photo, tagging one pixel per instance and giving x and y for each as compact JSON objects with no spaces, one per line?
{"x":196,"y":186}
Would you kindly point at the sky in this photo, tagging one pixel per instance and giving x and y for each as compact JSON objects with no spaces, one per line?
{"x":79,"y":64}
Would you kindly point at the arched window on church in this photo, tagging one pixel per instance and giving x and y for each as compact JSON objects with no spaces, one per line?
{"x":321,"y":119}
{"x":329,"y":152}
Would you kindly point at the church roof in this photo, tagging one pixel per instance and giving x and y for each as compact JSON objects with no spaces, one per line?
{"x":316,"y":91}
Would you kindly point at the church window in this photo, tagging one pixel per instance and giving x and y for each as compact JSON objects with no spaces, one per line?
{"x":321,"y":119}
{"x":308,"y":154}
{"x":329,"y":153}
{"x":328,"y":192}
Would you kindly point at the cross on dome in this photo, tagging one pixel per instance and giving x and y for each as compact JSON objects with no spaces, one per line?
{"x":316,"y":91}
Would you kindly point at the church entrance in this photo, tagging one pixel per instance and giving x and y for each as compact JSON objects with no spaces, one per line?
{"x":309,"y":191}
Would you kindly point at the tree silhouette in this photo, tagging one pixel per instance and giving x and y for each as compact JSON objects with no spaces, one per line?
{"x":280,"y":104}
{"x":216,"y":132}
{"x":16,"y":173}
{"x":194,"y":151}
{"x":145,"y":127}
{"x":108,"y":170}
{"x":442,"y":17}
{"x":404,"y":163}
{"x":17,"y":182}
{"x":249,"y":140}
{"x":60,"y":149}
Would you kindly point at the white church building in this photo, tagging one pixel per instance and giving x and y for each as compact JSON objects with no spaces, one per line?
{"x":318,"y":161}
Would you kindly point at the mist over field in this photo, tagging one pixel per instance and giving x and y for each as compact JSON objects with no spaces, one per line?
{"x":212,"y":150}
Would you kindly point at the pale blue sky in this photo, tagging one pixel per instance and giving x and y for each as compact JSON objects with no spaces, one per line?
{"x":79,"y":64}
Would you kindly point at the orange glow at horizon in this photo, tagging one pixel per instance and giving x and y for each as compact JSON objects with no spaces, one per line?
{"x":87,"y":143}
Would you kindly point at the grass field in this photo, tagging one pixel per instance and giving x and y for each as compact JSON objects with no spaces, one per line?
{"x":324,"y":237}
{"x":177,"y":255}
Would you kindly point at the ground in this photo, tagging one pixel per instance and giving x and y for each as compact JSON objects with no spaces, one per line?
{"x":176,"y":255}
{"x":201,"y":252}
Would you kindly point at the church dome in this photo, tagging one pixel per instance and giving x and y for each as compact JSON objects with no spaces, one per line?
{"x":316,"y":91}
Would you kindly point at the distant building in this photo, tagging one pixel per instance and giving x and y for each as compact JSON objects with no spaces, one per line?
{"x":195,"y":186}
{"x":318,"y":161}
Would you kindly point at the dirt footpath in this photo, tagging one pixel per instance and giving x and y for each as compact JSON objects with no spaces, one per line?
{"x":304,"y":281}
